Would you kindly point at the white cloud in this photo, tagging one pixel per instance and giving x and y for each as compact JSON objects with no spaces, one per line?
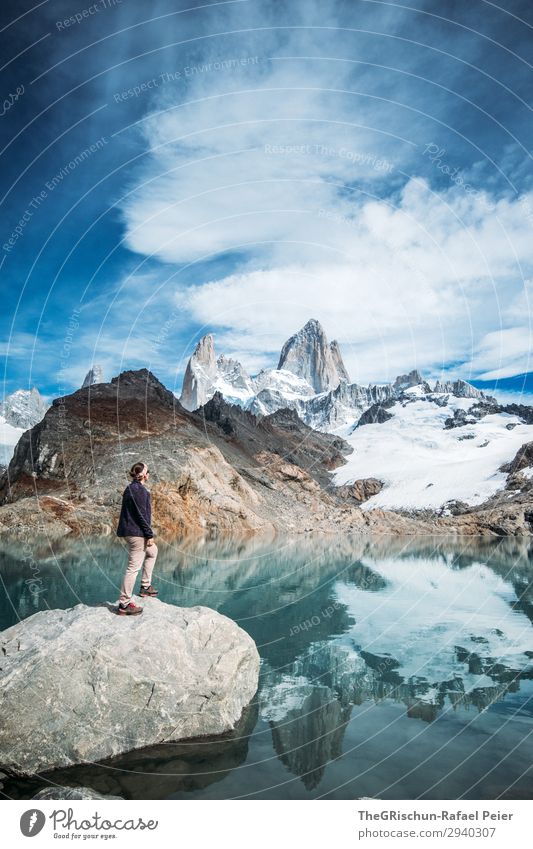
{"x":508,"y":397}
{"x":504,"y":353}
{"x":414,"y":286}
{"x":303,"y":184}
{"x":242,"y":167}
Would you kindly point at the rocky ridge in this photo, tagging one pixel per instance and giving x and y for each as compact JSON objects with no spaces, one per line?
{"x":218,"y":470}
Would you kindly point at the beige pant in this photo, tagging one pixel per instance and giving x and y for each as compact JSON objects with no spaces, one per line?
{"x":138,"y":552}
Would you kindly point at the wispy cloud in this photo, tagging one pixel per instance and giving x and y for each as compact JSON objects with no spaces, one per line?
{"x":504,"y":353}
{"x":419,"y":283}
{"x":311,"y":176}
{"x":278,"y":169}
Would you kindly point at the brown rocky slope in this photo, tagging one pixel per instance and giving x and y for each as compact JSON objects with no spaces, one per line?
{"x":217,"y":470}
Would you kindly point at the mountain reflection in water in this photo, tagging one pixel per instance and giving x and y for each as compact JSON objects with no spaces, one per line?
{"x":390,"y":667}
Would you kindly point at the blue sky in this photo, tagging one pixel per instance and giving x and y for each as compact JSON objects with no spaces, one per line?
{"x":170,"y":169}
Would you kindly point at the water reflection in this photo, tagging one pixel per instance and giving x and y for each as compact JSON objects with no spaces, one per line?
{"x":439,"y":628}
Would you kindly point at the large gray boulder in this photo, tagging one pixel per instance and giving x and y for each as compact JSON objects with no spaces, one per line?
{"x":71,"y":793}
{"x":84,"y":684}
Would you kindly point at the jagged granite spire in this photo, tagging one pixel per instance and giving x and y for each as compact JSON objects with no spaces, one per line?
{"x":404,"y":381}
{"x":94,"y":375}
{"x":461,"y":389}
{"x":308,"y":354}
{"x":200,"y":373}
{"x":337,"y":359}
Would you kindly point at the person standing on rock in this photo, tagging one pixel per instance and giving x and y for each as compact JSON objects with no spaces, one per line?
{"x":134,"y":527}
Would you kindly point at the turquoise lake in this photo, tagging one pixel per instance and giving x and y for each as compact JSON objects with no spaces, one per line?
{"x":390,"y":668}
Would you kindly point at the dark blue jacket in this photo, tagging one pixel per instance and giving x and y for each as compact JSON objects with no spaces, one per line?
{"x":136,"y":512}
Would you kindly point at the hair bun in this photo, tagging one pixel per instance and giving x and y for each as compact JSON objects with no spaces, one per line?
{"x":137,"y":471}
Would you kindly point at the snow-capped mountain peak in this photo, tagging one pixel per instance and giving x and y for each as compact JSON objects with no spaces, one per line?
{"x":459,"y":388}
{"x":276,"y":389}
{"x":23,"y":408}
{"x":311,"y":379}
{"x":309,"y":355}
{"x":404,"y":381}
{"x":200,"y":375}
{"x":18,"y":412}
{"x":308,"y":365}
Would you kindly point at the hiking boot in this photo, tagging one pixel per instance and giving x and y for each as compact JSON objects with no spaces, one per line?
{"x":147,"y":591}
{"x":130,"y":609}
